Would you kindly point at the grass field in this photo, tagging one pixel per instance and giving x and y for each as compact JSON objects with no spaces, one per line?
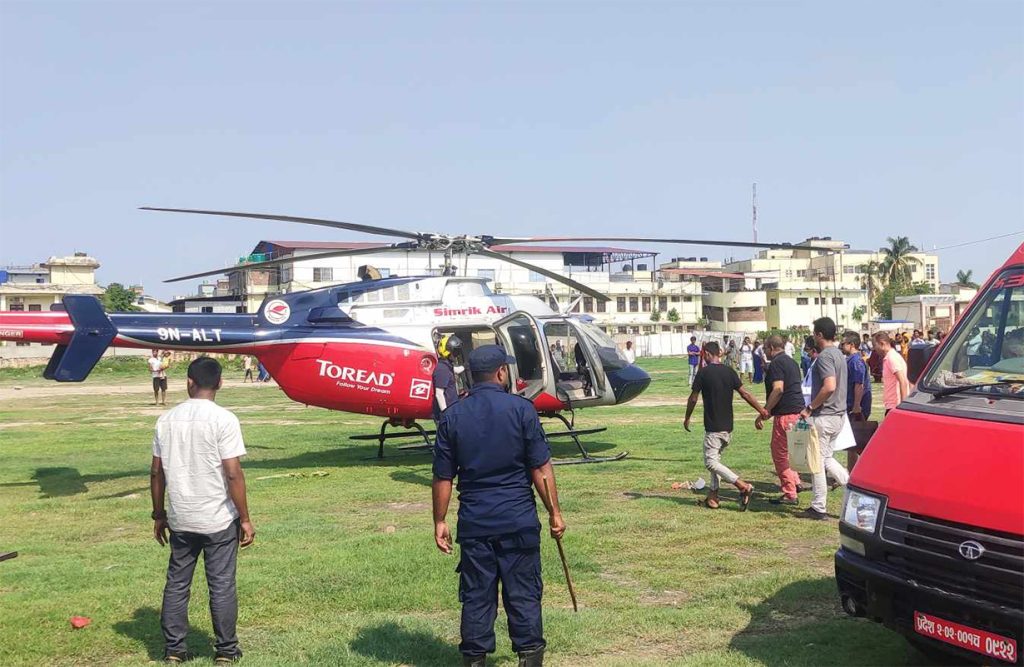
{"x":344,"y":570}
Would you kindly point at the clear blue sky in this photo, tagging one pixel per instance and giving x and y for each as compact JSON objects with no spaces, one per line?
{"x":857,"y":120}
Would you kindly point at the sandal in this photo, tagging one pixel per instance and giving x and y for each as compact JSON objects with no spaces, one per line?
{"x":745,"y":497}
{"x":707,"y":502}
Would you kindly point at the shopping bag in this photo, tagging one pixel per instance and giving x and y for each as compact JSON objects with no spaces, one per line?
{"x":804,"y":452}
{"x":845,"y":439}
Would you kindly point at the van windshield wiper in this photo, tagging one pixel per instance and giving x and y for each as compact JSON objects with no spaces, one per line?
{"x":949,"y":391}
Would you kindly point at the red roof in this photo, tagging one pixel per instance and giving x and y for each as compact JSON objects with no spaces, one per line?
{"x":704,"y":273}
{"x":353,"y":245}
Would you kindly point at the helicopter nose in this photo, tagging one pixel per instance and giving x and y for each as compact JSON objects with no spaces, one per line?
{"x":628,"y":382}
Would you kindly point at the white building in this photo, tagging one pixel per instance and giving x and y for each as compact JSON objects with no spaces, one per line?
{"x":628,"y":277}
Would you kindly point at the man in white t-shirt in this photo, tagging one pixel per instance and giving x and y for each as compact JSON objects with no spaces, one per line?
{"x":629,"y":353}
{"x":789,"y":347}
{"x":747,"y":359}
{"x":196,"y":453}
{"x":158,"y":369}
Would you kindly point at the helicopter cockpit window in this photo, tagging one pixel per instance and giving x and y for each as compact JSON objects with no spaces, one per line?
{"x":610,"y":354}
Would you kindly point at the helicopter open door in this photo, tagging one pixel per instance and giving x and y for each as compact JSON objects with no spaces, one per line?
{"x":521,"y":335}
{"x":580,"y":378}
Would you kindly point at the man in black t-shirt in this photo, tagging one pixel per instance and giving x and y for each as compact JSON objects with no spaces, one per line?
{"x":714,"y":384}
{"x":785,"y":400}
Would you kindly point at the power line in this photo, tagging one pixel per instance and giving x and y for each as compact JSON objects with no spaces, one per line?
{"x":991,"y":238}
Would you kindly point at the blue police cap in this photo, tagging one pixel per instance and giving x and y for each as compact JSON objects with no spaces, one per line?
{"x":488,"y":358}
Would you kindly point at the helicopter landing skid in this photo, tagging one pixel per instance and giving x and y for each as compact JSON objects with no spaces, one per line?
{"x":575,"y":434}
{"x":413,"y":430}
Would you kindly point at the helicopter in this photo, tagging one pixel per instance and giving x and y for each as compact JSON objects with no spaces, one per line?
{"x":367,"y":347}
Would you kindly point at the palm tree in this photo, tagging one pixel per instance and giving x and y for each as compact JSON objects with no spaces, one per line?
{"x":963,"y":279}
{"x":871,"y":280}
{"x":897,"y":260}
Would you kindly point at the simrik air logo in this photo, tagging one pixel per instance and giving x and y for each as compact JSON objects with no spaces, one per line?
{"x":356,"y":378}
{"x":277,"y":312}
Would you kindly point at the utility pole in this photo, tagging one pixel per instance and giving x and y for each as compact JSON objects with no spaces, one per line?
{"x":755,"y":211}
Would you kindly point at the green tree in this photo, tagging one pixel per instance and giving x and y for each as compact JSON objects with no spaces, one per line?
{"x":117,"y":299}
{"x":673,"y":315}
{"x":858,"y":313}
{"x":655,"y":316}
{"x":871,"y":281}
{"x":963,"y":279}
{"x":897,"y":260}
{"x":887,"y":296}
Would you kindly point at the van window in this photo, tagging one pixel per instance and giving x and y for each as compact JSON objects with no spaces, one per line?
{"x":989,"y":345}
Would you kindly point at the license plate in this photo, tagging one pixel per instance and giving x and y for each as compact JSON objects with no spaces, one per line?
{"x":979,"y":641}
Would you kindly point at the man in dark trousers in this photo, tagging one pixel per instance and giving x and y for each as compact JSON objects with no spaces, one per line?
{"x":493,"y":442}
{"x":196,"y":452}
{"x":715,"y":384}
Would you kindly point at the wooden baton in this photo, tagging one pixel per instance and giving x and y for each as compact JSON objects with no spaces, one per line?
{"x":561,"y":552}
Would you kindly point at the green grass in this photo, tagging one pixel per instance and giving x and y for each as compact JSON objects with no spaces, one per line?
{"x":344,"y":570}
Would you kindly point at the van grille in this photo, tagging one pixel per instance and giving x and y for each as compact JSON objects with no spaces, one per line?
{"x":931,"y":557}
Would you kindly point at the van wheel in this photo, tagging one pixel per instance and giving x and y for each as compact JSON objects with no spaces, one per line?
{"x":934,"y":654}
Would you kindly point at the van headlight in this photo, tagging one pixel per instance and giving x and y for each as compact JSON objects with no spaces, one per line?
{"x":861,"y":510}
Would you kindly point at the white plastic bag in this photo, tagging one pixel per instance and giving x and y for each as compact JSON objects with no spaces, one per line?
{"x":845,"y":439}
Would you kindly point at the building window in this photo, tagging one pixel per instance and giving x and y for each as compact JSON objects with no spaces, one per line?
{"x":929,"y":271}
{"x":774,"y":302}
{"x":789,"y":273}
{"x":576,"y":306}
{"x":588,"y":304}
{"x":207,"y":309}
{"x":622,"y":330}
{"x":536,"y":277}
{"x":434,"y":272}
{"x":34,"y":307}
{"x":634,"y":304}
{"x":646,"y":304}
{"x":801,"y":301}
{"x":17,"y":307}
{"x":913,"y":268}
{"x":931,"y":311}
{"x":800,"y":273}
{"x":849,"y":269}
{"x":662,"y":303}
{"x":485,"y":273}
{"x":620,"y":304}
{"x":675,"y":299}
{"x":323,"y":274}
{"x":837,"y":301}
{"x":286,"y":274}
{"x":602,"y":306}
{"x":687,"y":299}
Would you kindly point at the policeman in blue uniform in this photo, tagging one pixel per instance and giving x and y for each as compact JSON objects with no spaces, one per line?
{"x":493,"y":442}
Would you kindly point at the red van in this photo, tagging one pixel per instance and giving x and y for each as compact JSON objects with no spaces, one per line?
{"x":932,"y":524}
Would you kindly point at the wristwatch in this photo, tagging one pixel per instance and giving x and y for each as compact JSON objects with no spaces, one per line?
{"x":157,"y":515}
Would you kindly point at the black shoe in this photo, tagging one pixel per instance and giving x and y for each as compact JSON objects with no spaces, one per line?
{"x":175,"y":658}
{"x":220,"y":659}
{"x":811,"y":513}
{"x":534,"y":658}
{"x":783,"y":500}
{"x":474,"y":661}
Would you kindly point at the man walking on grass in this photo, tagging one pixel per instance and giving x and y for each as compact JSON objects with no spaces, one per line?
{"x":826,"y":412}
{"x":714,"y":384}
{"x":785,"y":401}
{"x":196,"y":453}
{"x":158,"y":370}
{"x":693,"y":357}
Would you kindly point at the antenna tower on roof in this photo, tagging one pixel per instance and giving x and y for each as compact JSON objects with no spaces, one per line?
{"x":755,"y":211}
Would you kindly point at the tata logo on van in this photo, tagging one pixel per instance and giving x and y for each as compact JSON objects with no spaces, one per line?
{"x":277,"y":312}
{"x":971,"y":550}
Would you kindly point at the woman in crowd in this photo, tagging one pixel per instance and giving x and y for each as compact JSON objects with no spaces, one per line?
{"x":758,"y":362}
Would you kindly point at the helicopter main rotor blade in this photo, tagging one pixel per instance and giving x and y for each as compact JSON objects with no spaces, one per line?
{"x":294,"y":258}
{"x":351,"y":226}
{"x":498,"y":241}
{"x":557,"y":277}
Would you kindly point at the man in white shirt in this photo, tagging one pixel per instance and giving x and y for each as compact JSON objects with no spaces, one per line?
{"x":747,"y":359}
{"x":629,"y":353}
{"x":158,"y":369}
{"x":789,"y":347}
{"x":196,"y":453}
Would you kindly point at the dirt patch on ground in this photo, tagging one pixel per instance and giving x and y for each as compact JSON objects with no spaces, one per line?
{"x":407,"y":507}
{"x":15,"y":391}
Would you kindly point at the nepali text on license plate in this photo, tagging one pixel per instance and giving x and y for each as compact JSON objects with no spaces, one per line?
{"x":979,"y":641}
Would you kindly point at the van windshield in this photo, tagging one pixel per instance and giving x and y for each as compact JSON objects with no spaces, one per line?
{"x":988,"y":348}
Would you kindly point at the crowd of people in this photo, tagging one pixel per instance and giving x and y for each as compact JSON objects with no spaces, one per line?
{"x":828,"y":387}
